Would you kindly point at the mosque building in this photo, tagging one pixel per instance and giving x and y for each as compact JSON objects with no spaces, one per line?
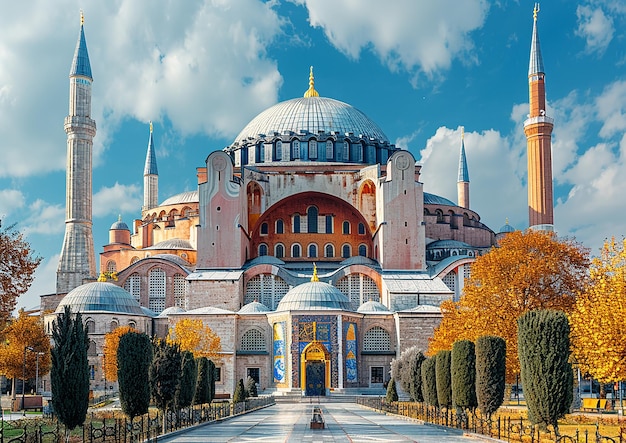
{"x":309,"y":245}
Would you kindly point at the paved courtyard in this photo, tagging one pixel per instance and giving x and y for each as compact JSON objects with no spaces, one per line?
{"x":345,"y":422}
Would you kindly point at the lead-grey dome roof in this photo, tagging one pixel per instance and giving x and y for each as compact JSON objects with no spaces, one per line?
{"x":373,"y":306}
{"x":254,"y":308}
{"x":313,"y":296}
{"x":311,"y":115}
{"x":100,"y":296}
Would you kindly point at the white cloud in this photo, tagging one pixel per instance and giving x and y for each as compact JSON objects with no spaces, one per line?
{"x":611,"y":109}
{"x":10,"y":201}
{"x":204,"y":67}
{"x":116,"y":199}
{"x":595,"y":27}
{"x":419,"y":37}
{"x":44,"y":218}
{"x":44,"y":283}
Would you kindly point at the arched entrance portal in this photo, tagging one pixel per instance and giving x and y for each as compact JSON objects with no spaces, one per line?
{"x":315,"y":369}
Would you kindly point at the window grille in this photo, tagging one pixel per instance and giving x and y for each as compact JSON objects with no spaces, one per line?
{"x":253,"y":340}
{"x":376,"y":339}
{"x":180,"y":286}
{"x":133,"y":285}
{"x":156,"y":290}
{"x":267,"y":289}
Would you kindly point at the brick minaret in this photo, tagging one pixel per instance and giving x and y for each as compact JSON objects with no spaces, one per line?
{"x":538,"y":129}
{"x":462,"y":185}
{"x":78,"y":261}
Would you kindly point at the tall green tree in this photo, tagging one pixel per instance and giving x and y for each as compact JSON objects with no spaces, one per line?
{"x":444,"y":382}
{"x":490,"y":373}
{"x":134,"y":356}
{"x":392,"y":392}
{"x":212,"y":372}
{"x":240,"y":392}
{"x":543,"y":346}
{"x":203,"y":387}
{"x":415,"y":366}
{"x":186,"y":388}
{"x":463,"y":375}
{"x":251,"y":387}
{"x":164,"y":374}
{"x":69,"y":374}
{"x":429,"y":381}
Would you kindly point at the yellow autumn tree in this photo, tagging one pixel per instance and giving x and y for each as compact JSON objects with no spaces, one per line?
{"x":529,"y":270}
{"x":196,"y":337}
{"x":597,"y":323}
{"x":24,"y":337}
{"x":111,"y":343}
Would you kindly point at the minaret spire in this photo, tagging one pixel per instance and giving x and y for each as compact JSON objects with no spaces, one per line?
{"x":462,"y":185}
{"x":538,"y":129}
{"x":77,"y":263}
{"x":150,"y":177}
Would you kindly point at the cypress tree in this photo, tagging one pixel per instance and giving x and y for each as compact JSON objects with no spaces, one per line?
{"x":203,"y":387}
{"x":240,"y":392}
{"x":211,"y":371}
{"x":392,"y":392}
{"x":164,"y":375}
{"x":463,"y":375}
{"x":416,"y":376}
{"x":543,"y":348}
{"x":186,"y":389}
{"x":444,"y":384}
{"x":490,"y":373}
{"x":251,"y":387}
{"x":134,"y":356}
{"x":429,"y":382}
{"x":69,"y":374}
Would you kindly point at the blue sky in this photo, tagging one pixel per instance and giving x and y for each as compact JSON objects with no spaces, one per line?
{"x":200,"y":70}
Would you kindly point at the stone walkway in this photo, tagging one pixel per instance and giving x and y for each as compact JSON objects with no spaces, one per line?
{"x":345,"y":422}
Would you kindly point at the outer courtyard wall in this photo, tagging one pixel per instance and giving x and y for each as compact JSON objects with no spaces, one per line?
{"x":224,"y":294}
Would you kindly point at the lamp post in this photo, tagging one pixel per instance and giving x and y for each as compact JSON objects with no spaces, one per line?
{"x":24,"y":379}
{"x":104,"y":374}
{"x":37,"y":373}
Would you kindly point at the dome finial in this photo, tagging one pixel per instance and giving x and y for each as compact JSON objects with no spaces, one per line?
{"x":314,"y":278}
{"x":535,"y":11}
{"x":82,"y":18}
{"x":311,"y":92}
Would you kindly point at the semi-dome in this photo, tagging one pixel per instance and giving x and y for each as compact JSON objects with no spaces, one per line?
{"x":311,"y":115}
{"x":98,"y":297}
{"x":314,"y":295}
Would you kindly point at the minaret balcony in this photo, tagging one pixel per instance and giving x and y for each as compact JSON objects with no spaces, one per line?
{"x":538,"y":119}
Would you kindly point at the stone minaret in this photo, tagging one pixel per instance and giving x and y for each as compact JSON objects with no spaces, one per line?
{"x":538,"y":129}
{"x":150,"y":177}
{"x":462,"y":185}
{"x":78,"y":261}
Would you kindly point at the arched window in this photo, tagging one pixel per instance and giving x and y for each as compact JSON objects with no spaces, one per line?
{"x":329,"y":150}
{"x":312,"y":148}
{"x":279,"y":150}
{"x":133,"y":285}
{"x":279,"y":251}
{"x":296,"y":250}
{"x":113,"y":326}
{"x":361,"y":229}
{"x":345,"y":227}
{"x":439,"y":214}
{"x":111,"y":266}
{"x":156,"y":290}
{"x":376,"y":339}
{"x":312,"y":250}
{"x":346,"y":151}
{"x":264,"y":228}
{"x":253,"y":340}
{"x":134,"y":260}
{"x":329,"y":224}
{"x":295,"y":150}
{"x":296,"y":224}
{"x":132,"y":324}
{"x":262,"y":249}
{"x":362,"y":250}
{"x":280,"y":226}
{"x":345,"y":251}
{"x":311,"y":215}
{"x":180,"y":284}
{"x":90,"y":326}
{"x":329,"y":251}
{"x":91,"y":351}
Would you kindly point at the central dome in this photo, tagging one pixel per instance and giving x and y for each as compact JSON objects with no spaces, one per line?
{"x":313,"y":296}
{"x":312,"y":115}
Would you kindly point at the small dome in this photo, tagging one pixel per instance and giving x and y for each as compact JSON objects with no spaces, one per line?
{"x":119,"y":225}
{"x":171,"y":310}
{"x":506,"y":228}
{"x":100,"y":296}
{"x":312,"y":296}
{"x":373,"y":306}
{"x":254,"y":308}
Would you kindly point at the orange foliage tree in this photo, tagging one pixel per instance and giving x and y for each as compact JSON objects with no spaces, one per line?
{"x":597,"y":321}
{"x":25,"y":336}
{"x":529,"y":270}
{"x":111,"y":343}
{"x":196,"y":337}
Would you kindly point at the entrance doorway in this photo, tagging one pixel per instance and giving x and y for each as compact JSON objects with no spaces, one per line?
{"x":315,"y":378}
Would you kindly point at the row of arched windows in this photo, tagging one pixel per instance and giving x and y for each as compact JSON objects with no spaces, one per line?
{"x":157,"y":288}
{"x":376,"y":339}
{"x":341,"y":150}
{"x":311,"y":250}
{"x":312,"y":224}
